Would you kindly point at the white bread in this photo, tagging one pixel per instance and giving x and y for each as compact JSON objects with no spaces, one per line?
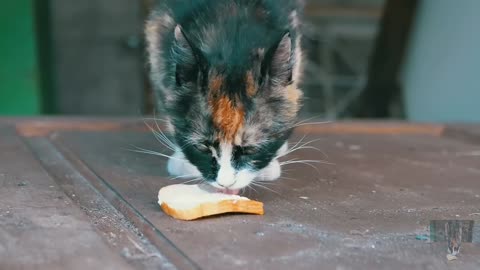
{"x":189,"y":202}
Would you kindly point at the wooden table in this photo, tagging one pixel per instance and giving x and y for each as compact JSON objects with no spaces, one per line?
{"x":73,"y":197}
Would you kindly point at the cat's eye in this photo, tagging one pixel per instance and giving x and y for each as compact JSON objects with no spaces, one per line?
{"x":202,"y":148}
{"x":245,"y":150}
{"x":249,"y":150}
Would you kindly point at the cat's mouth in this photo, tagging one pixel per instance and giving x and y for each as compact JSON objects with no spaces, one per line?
{"x":228,"y":191}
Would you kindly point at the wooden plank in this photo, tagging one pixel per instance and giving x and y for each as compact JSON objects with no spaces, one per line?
{"x":121,"y":235}
{"x":44,"y":127}
{"x":388,"y":181}
{"x":41,"y":228}
{"x":361,"y":213}
{"x":469,"y":133}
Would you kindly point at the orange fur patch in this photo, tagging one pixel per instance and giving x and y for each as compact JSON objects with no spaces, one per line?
{"x":293,"y":95}
{"x":250,"y":82}
{"x":227,"y":117}
{"x":215,"y":85}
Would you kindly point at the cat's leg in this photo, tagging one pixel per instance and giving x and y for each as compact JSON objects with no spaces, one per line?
{"x":273,"y":171}
{"x":180,"y":167}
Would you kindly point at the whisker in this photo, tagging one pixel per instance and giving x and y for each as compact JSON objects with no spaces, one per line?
{"x":304,"y":163}
{"x":150,"y":152}
{"x":160,"y":135}
{"x":287,"y":178}
{"x":264,"y":187}
{"x":252,"y":188}
{"x":305,"y":145}
{"x":172,"y":144}
{"x":293,"y":161}
{"x":198,"y":179}
{"x":267,"y":183}
{"x":298,"y":143}
{"x":159,"y":138}
{"x":313,"y":123}
{"x":182,"y":176}
{"x":310,"y":118}
{"x":304,"y":123}
{"x":155,"y":119}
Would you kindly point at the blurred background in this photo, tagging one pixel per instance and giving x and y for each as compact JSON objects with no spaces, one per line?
{"x":417,"y":60}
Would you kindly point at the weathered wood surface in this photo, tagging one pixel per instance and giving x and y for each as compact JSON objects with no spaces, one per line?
{"x":72,"y":197}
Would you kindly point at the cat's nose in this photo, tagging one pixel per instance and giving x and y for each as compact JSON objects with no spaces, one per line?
{"x":225,"y":186}
{"x":226,"y":182}
{"x":226,"y":177}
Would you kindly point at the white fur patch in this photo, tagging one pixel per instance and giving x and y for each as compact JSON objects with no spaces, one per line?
{"x":226,"y":172}
{"x":281,"y":152}
{"x":271,"y":172}
{"x":244,"y":178}
{"x":179,"y":166}
{"x":298,"y":64}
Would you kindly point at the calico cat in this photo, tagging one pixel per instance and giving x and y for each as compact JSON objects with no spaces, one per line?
{"x":225,"y":74}
{"x":454,"y":235}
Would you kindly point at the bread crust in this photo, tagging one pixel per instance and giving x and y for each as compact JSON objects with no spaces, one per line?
{"x":215,"y":208}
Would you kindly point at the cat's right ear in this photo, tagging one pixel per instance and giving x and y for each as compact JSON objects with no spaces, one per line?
{"x":186,"y":56}
{"x":278,"y":61}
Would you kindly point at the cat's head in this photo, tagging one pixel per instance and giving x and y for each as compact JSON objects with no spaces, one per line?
{"x":231,"y":117}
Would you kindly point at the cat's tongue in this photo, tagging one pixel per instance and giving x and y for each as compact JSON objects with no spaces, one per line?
{"x":229,"y":191}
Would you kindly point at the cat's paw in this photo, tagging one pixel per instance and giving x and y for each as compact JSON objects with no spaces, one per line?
{"x":180,"y":167}
{"x":271,"y":172}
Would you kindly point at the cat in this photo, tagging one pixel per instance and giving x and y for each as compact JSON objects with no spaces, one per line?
{"x":226,"y":78}
{"x":453,"y":235}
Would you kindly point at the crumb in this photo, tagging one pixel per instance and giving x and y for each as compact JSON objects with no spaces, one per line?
{"x":304,"y":197}
{"x":354,"y":147}
{"x":451,"y":257}
{"x":356,"y":232}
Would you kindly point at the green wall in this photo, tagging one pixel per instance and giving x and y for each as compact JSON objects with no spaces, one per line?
{"x":19,"y":84}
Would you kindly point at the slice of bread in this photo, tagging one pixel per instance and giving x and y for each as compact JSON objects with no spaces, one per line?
{"x":189,"y":202}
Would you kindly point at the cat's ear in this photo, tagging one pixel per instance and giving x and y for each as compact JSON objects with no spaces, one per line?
{"x":187,"y":57}
{"x":280,"y":61}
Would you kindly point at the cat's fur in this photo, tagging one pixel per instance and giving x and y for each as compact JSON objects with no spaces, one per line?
{"x":226,"y":73}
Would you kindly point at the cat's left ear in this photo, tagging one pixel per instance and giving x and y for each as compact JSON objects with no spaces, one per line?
{"x":187,"y":57}
{"x":280,"y":58}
